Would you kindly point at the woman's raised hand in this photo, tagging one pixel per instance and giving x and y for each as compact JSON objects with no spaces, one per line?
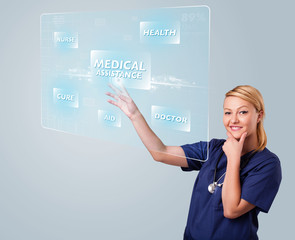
{"x":123,"y":101}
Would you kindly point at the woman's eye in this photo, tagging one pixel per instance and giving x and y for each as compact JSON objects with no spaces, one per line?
{"x":243,"y":112}
{"x":226,"y":113}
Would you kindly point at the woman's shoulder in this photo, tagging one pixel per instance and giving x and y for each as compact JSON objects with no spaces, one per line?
{"x":267,"y":155}
{"x":216,"y":143}
{"x":201,"y":149}
{"x":263,"y":163}
{"x":266,"y":158}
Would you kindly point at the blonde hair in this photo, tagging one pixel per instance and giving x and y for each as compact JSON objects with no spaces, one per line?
{"x":252,"y":95}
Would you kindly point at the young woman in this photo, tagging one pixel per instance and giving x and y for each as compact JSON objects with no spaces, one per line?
{"x":241,"y":176}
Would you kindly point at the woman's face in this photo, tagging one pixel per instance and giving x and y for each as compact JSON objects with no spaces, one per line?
{"x":240,"y":116}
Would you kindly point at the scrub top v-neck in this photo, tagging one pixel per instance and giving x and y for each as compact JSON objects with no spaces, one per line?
{"x":260,"y":180}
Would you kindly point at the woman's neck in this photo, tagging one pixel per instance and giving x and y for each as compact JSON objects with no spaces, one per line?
{"x":251,"y":143}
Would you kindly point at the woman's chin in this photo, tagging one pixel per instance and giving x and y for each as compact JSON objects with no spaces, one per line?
{"x":237,"y":135}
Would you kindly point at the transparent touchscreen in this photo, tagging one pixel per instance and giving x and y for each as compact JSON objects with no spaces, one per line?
{"x":158,"y":58}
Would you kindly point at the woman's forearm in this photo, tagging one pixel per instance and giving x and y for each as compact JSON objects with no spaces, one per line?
{"x":231,"y":190}
{"x":172,"y":155}
{"x":151,"y":141}
{"x":233,"y":205}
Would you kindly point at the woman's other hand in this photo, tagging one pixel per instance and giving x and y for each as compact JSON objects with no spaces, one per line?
{"x":233,"y":147}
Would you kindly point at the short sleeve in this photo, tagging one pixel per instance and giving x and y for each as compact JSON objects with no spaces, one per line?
{"x":195,"y":151}
{"x":261,"y":185}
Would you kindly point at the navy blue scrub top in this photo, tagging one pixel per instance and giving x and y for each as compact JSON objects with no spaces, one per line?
{"x":260,"y":181}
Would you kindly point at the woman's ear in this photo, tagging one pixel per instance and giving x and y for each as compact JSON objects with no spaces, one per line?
{"x":260,"y":115}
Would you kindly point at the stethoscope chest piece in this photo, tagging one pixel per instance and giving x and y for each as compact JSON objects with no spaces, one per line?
{"x":211,"y":187}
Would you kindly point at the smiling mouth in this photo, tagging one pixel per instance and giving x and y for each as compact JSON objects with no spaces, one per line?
{"x":235,"y":128}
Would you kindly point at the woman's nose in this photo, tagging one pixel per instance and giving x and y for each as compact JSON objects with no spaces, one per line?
{"x":234,"y":118}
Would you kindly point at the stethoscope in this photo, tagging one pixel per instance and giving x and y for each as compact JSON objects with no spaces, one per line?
{"x":212,"y":186}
